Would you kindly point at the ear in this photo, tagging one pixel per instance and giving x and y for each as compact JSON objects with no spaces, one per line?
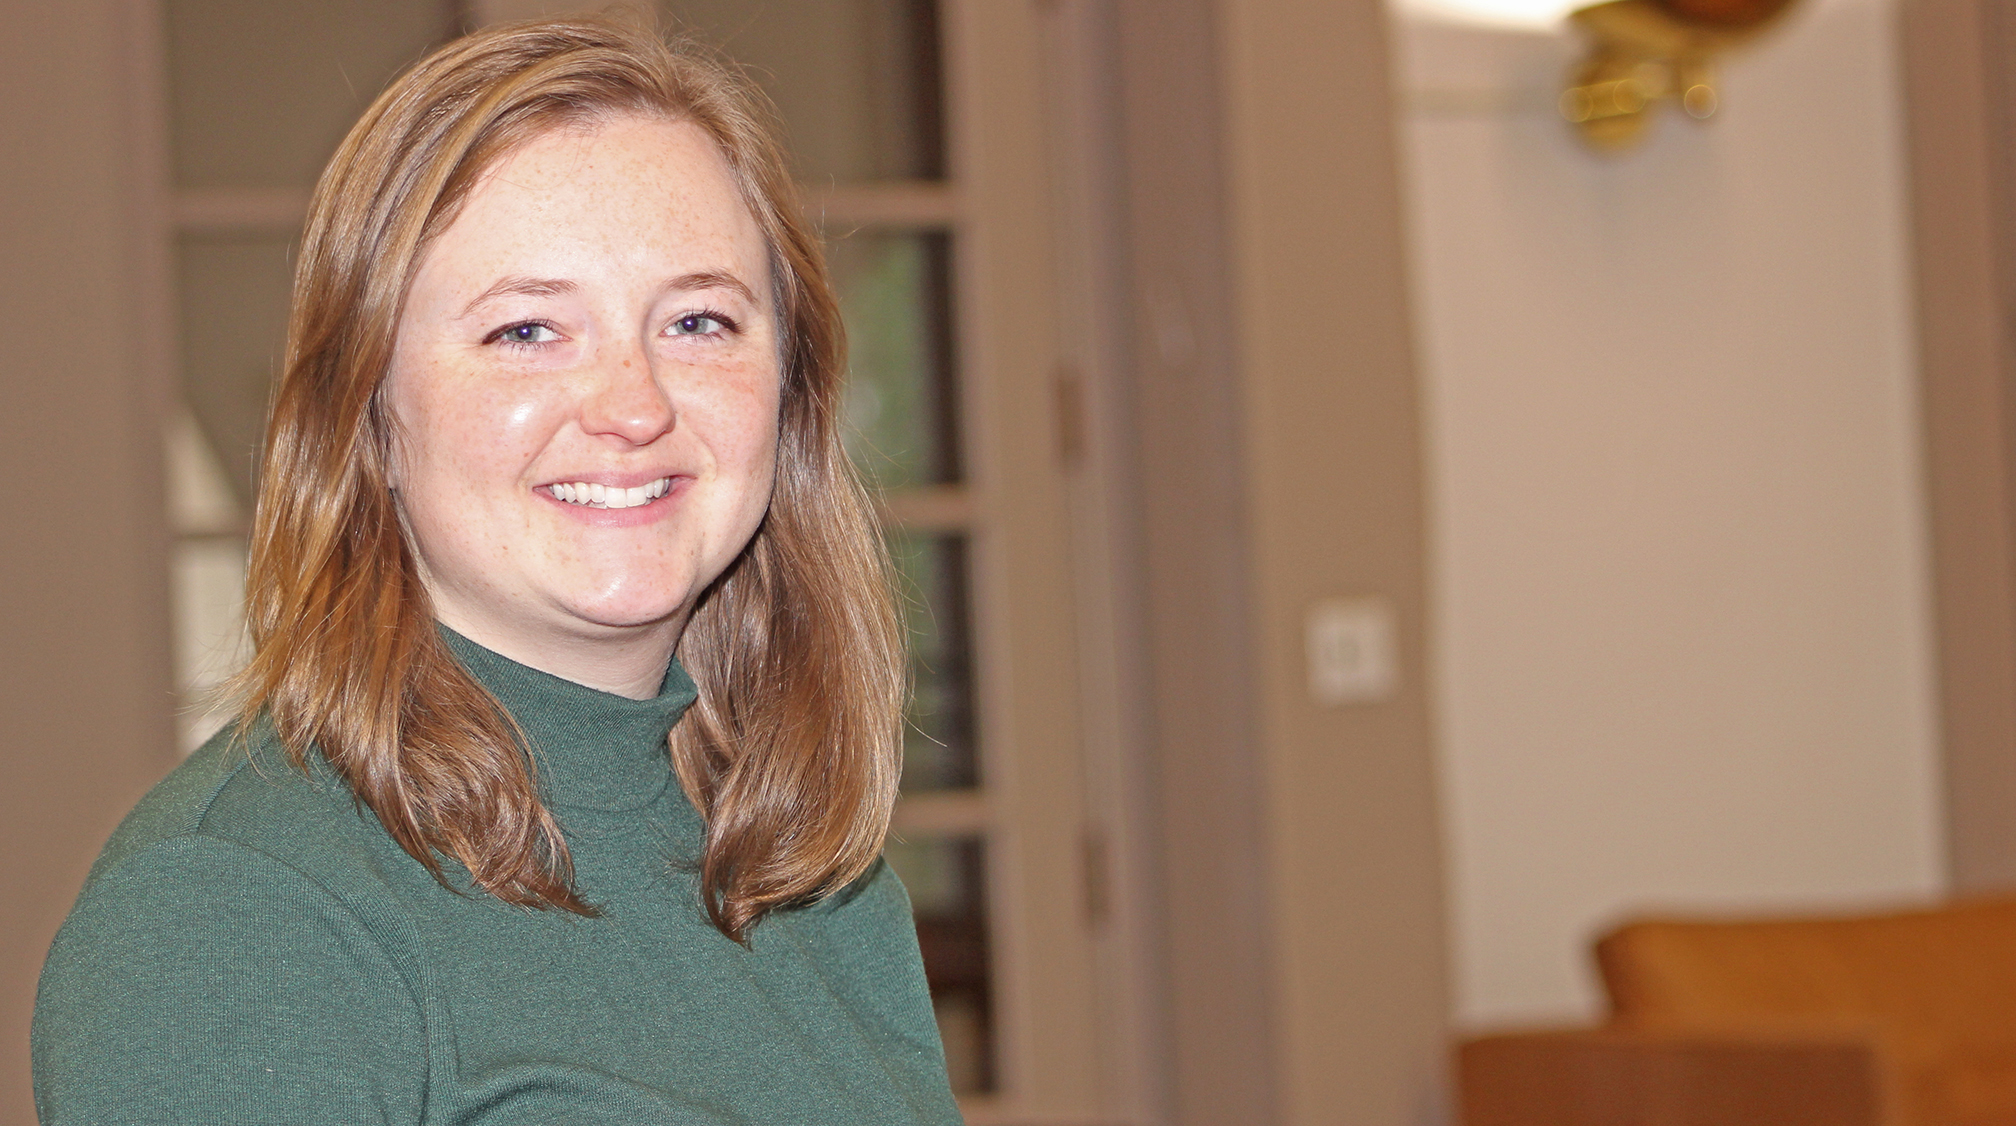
{"x":388,"y":436}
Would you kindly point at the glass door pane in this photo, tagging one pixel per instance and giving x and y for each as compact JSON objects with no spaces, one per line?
{"x":938,"y":745}
{"x":856,"y":81}
{"x":233,"y":290}
{"x":261,"y":92}
{"x":902,"y":401}
{"x":946,"y":877}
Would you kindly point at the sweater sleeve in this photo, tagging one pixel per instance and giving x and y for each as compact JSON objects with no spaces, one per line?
{"x":200,"y":981}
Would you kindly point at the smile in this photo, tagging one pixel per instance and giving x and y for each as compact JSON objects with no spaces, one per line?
{"x":603,"y":496}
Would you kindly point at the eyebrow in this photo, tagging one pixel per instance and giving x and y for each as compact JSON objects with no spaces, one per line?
{"x":521,"y":286}
{"x":713,"y":279}
{"x":554,"y":287}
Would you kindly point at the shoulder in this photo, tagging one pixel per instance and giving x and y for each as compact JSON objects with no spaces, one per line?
{"x":200,"y":980}
{"x":867,"y":939}
{"x":868,"y":920}
{"x":235,"y":841}
{"x":876,"y":900}
{"x":243,"y":794}
{"x":238,"y":838}
{"x":222,"y":946}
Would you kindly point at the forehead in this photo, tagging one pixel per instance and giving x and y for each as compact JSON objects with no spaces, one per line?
{"x":606,"y":194}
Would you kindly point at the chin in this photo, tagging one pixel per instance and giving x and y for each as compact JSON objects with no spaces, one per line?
{"x":625,"y":617}
{"x":639,"y":594}
{"x":632,"y":609}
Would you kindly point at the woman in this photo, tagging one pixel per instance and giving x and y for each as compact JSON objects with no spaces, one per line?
{"x":559,"y":403}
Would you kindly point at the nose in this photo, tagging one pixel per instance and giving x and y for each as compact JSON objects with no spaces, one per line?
{"x":625,"y":400}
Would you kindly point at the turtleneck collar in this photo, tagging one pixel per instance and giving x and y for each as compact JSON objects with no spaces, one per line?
{"x":593,"y":749}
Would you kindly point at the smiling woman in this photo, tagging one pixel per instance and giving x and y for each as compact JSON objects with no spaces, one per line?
{"x":564,"y":597}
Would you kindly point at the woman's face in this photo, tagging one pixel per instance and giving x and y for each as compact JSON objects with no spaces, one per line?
{"x":584,"y":391}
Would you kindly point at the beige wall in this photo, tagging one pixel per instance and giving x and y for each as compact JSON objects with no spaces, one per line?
{"x":1330,"y":417}
{"x":1956,"y":58}
{"x":1681,"y":620}
{"x":1273,"y":408}
{"x":84,"y":688}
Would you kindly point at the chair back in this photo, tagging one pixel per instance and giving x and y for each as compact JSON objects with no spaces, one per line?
{"x":1939,"y":986}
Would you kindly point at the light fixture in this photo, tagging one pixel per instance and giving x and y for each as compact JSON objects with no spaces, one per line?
{"x":1645,"y":53}
{"x":1538,"y":17}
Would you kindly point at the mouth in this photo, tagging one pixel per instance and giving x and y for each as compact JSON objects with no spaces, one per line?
{"x":588,"y":495}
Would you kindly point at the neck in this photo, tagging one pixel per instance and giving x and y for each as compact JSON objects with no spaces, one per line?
{"x":628,"y":662}
{"x":591,"y":749}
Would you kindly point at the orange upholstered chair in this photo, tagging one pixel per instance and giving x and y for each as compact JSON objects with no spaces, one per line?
{"x":1904,"y":1019}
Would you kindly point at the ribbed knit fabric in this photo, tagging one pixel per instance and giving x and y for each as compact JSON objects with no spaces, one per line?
{"x":252,"y":948}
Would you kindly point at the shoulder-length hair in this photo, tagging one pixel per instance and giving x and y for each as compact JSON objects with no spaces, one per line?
{"x":792,"y":752}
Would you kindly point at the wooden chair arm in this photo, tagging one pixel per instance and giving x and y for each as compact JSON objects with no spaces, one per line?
{"x":1627,"y":1077}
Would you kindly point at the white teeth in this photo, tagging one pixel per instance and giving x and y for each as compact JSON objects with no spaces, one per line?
{"x":604,"y":496}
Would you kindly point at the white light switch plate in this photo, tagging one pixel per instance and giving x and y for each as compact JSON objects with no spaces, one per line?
{"x":1350,"y":651}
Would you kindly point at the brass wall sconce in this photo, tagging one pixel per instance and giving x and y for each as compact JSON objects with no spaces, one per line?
{"x":1644,"y":53}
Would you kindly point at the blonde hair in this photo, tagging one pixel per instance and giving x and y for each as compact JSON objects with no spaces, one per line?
{"x":792,"y":752}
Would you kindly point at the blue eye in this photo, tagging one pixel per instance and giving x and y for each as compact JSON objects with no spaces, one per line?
{"x":525,"y":332}
{"x":700,"y":324}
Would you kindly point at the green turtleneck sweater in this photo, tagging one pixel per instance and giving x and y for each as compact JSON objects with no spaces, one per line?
{"x":253,"y":948}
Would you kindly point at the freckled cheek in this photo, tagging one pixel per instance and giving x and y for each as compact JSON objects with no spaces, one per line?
{"x":481,"y":425}
{"x":746,"y":423}
{"x":732,"y":408}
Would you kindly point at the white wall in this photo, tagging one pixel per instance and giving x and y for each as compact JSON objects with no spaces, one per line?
{"x":1681,"y":639}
